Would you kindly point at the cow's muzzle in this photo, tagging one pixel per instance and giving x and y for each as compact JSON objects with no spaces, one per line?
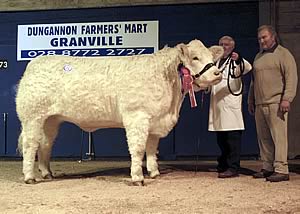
{"x":217,"y":73}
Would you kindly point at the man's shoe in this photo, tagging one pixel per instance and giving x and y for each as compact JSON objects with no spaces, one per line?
{"x":277,"y":177}
{"x":222,"y":166}
{"x":228,"y":174}
{"x":221,"y":169}
{"x":262,"y":174}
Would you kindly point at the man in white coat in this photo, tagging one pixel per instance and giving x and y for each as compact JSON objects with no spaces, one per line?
{"x":225,"y":113}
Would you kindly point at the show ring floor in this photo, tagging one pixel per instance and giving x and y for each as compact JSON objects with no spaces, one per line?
{"x":183,"y":187}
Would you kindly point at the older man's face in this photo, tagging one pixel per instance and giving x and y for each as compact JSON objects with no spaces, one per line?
{"x":227,"y":46}
{"x":265,"y":39}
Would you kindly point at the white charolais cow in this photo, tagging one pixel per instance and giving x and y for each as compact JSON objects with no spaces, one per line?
{"x":142,"y":94}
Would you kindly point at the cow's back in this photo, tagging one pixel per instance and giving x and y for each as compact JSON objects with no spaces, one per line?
{"x":86,"y":90}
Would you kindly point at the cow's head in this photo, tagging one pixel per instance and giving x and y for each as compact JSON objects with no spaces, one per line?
{"x":201,"y":63}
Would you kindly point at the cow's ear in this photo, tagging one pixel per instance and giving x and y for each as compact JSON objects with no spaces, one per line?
{"x":183,"y":49}
{"x":217,"y":52}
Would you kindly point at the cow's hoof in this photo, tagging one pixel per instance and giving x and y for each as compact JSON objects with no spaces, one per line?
{"x":48,"y":177}
{"x":138,"y":183}
{"x":154,"y":174}
{"x":30,"y":181}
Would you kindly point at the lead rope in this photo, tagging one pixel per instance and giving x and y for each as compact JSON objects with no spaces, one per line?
{"x":231,"y":74}
{"x":187,"y":85}
{"x":198,"y":139}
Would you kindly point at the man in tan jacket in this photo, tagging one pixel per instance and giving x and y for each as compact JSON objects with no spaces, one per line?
{"x":272,"y":90}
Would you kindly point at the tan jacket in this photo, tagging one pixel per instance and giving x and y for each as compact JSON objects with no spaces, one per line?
{"x":274,"y":77}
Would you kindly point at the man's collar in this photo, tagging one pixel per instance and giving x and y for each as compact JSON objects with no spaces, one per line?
{"x":272,"y":49}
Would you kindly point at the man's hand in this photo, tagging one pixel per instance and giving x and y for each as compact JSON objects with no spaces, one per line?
{"x":285,"y":106}
{"x":251,"y":108}
{"x":234,"y":56}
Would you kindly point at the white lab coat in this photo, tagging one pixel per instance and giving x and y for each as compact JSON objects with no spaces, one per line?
{"x":225,"y":112}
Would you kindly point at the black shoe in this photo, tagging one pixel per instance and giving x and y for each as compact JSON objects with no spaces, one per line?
{"x":277,"y":177}
{"x":221,"y":169}
{"x":229,"y":173}
{"x":262,"y":174}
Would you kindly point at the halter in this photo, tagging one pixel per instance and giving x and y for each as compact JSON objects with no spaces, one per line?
{"x":206,"y":67}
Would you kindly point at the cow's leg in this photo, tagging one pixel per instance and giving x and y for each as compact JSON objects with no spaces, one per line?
{"x":30,"y":137}
{"x":151,"y":151}
{"x":44,"y":153}
{"x":137,"y":128}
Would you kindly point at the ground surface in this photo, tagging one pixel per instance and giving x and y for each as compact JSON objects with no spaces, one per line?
{"x":184,"y":187}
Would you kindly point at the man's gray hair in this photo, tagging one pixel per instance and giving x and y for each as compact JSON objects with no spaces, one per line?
{"x":229,"y":38}
{"x":270,"y":29}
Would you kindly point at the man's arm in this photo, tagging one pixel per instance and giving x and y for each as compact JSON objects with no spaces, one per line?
{"x":289,"y":70}
{"x":251,"y":99}
{"x":291,"y":80}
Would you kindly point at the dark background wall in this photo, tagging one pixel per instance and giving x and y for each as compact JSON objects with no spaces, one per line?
{"x":177,"y":23}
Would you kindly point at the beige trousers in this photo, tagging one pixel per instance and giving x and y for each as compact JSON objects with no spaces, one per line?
{"x":271,"y":126}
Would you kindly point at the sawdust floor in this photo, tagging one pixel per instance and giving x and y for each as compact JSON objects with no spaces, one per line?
{"x":183,"y":187}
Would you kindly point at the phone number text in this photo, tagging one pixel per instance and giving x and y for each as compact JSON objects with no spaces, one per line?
{"x":29,"y":54}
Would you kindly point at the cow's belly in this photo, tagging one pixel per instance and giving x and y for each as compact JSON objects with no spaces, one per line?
{"x":91,"y":125}
{"x":90,"y":116}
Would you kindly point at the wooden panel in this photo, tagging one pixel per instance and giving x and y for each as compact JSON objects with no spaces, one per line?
{"x":17,"y":5}
{"x":288,"y":16}
{"x":288,"y":27}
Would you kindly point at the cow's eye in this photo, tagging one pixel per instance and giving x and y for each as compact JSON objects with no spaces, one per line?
{"x":195,"y":58}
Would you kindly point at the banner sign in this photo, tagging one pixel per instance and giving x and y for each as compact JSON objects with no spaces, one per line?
{"x":87,"y":39}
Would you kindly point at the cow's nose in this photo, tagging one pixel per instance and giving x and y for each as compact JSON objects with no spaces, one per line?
{"x":216,"y":73}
